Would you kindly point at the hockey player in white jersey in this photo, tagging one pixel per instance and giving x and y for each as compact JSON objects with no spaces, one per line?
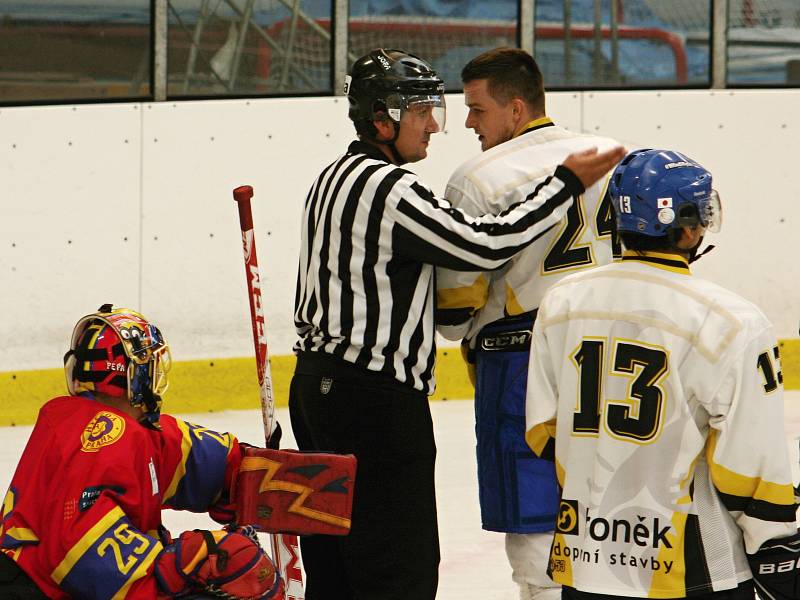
{"x":492,"y":312}
{"x":664,"y":394}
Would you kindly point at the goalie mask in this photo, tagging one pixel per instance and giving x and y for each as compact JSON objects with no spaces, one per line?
{"x":117,"y":352}
{"x":654,"y":191}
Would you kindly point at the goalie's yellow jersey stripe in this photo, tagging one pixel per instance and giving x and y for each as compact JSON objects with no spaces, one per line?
{"x":139,"y":572}
{"x":90,"y":537}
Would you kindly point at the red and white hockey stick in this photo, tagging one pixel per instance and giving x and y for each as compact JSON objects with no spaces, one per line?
{"x":285,"y":551}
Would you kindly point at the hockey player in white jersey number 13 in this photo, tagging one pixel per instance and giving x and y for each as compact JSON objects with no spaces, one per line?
{"x":663,"y":393}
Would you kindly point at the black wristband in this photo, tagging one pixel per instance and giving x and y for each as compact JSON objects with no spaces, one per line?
{"x":571,"y":180}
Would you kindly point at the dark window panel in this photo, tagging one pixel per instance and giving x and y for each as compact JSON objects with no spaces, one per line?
{"x":445,"y":33}
{"x":764,"y":43}
{"x":282,"y":51}
{"x":72,"y":50}
{"x":653,"y":43}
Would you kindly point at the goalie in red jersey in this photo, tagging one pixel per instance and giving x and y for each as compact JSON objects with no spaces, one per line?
{"x":82,"y":517}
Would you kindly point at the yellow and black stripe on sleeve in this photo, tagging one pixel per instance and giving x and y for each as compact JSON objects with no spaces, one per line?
{"x":455,"y":306}
{"x":755,"y":497}
{"x":542,"y":440}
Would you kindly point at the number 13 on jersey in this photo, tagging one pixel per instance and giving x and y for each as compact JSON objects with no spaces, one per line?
{"x":639,"y":416}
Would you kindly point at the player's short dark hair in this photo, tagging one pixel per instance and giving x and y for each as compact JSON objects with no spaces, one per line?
{"x":664,"y":243}
{"x":649,"y":243}
{"x":511,"y":73}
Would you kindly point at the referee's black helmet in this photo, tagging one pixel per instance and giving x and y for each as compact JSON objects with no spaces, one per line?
{"x":385,"y":82}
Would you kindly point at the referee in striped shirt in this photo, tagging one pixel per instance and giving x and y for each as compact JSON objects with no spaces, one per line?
{"x":372,"y":235}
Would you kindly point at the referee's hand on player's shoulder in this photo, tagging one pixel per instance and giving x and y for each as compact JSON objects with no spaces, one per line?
{"x":589,"y":165}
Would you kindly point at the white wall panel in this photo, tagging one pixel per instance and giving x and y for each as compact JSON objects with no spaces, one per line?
{"x":77,"y":184}
{"x":69,"y":223}
{"x":195,"y":153}
{"x":749,"y":140}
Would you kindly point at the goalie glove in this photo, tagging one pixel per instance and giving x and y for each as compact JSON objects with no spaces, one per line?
{"x":304,"y":493}
{"x":228,"y":564}
{"x":776,"y":568}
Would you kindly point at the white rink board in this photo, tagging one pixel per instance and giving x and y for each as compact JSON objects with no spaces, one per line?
{"x":750,"y":141}
{"x":162,"y":174}
{"x":195,"y":153}
{"x":69,"y":223}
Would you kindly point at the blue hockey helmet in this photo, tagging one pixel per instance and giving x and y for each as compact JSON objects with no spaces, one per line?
{"x":654,"y":191}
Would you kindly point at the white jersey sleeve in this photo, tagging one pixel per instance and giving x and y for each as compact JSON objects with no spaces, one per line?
{"x":461,"y":293}
{"x":753,"y":480}
{"x":542,"y":391}
{"x":489,"y":184}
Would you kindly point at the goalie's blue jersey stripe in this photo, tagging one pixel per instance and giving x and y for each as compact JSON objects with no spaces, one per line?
{"x":372,"y":234}
{"x":110,"y":561}
{"x":202,"y":469}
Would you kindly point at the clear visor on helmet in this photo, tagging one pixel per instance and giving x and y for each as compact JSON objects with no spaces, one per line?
{"x":430,"y":108}
{"x":711,"y":212}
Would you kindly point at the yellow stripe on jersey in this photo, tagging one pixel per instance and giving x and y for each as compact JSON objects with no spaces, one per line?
{"x":7,"y":508}
{"x":684,"y":483}
{"x":8,"y":503}
{"x":473,"y":296}
{"x":538,"y":436}
{"x":90,"y":537}
{"x":672,"y":585}
{"x":180,"y":469}
{"x":743,"y":486}
{"x":22,"y":534}
{"x":560,"y":565}
{"x":513,"y":307}
{"x":668,"y":262}
{"x":140,"y":571}
{"x":531,"y":124}
{"x":12,"y":554}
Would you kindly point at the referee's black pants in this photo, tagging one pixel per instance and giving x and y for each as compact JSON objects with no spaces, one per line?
{"x":392,"y":551}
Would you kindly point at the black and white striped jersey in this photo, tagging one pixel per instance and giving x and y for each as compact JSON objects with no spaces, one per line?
{"x":372,"y":235}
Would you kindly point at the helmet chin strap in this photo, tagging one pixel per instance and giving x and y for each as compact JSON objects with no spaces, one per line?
{"x":398,"y":158}
{"x":142,"y":395}
{"x":152,"y":414}
{"x":693,"y":254}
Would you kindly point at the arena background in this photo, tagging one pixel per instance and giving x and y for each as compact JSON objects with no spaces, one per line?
{"x":129,"y":202}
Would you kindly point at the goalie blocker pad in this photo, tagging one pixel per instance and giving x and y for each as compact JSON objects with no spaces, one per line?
{"x":286,"y":491}
{"x":776,"y":569}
